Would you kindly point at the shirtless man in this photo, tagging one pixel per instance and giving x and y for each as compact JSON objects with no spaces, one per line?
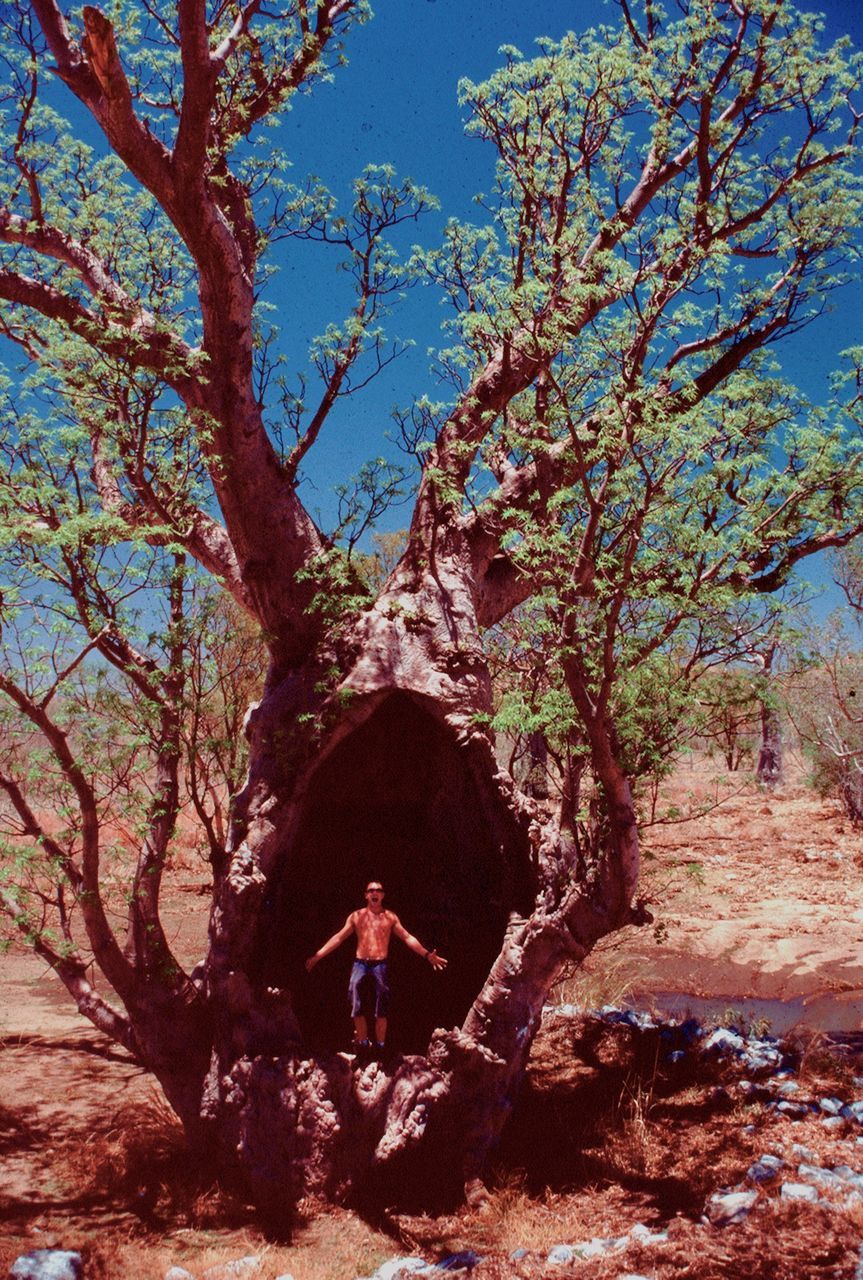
{"x":374,"y":927}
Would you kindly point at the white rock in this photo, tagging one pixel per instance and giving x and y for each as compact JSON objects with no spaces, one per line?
{"x":725,"y":1210}
{"x":831,"y":1106}
{"x":178,"y":1273}
{"x":799,"y":1191}
{"x":765,"y":1169}
{"x":387,"y":1270}
{"x":645,"y":1236}
{"x":724,"y":1041}
{"x":793,"y":1110}
{"x":599,"y":1245}
{"x":47,"y":1264}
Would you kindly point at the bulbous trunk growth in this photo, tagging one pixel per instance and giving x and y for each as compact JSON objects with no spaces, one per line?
{"x":387,"y":772}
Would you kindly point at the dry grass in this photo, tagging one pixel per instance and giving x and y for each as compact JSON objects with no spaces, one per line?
{"x":335,"y":1245}
{"x":140,"y":1163}
{"x":607,"y":978}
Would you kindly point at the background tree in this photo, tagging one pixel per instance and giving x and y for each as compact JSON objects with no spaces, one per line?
{"x":671,"y":197}
{"x":826,"y":693}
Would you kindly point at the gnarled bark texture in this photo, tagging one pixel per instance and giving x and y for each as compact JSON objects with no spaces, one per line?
{"x":386,"y":770}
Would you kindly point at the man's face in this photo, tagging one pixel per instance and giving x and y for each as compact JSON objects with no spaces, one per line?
{"x":374,"y":894}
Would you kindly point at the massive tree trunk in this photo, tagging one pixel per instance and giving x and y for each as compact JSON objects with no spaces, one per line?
{"x":375,"y":758}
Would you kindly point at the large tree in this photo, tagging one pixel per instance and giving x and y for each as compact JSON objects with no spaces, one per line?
{"x":672,"y":196}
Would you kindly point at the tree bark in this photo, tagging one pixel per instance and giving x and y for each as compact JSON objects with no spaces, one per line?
{"x":375,"y":758}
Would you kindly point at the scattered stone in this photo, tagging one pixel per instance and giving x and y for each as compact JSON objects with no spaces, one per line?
{"x":822,"y":1177}
{"x":643,"y":1235}
{"x":833,"y":1123}
{"x":765,"y":1169}
{"x":390,"y":1269}
{"x":793,"y":1110}
{"x":676,"y":1055}
{"x":286,"y":1275}
{"x":761,"y":1055}
{"x":853,"y":1111}
{"x":787,"y":1087}
{"x":178,"y":1273}
{"x":238,"y":1269}
{"x":799,"y":1191}
{"x":596,"y":1247}
{"x":831,"y":1106}
{"x":724,"y":1041}
{"x":725,"y":1210}
{"x":627,"y":1017}
{"x":559,"y":1254}
{"x":803,"y":1153}
{"x":842,"y":1180}
{"x":849,"y":1175}
{"x":47,"y":1264}
{"x":517,"y":1255}
{"x":465,"y":1261}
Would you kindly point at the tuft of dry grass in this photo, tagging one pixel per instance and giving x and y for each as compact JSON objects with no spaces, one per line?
{"x":141,"y":1163}
{"x":827,"y":1066}
{"x":606,"y":978}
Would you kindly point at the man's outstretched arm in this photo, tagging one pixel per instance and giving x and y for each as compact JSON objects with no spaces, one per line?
{"x":436,"y":961}
{"x":330,"y":945}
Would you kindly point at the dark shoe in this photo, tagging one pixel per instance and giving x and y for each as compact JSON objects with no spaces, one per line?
{"x":362,"y":1050}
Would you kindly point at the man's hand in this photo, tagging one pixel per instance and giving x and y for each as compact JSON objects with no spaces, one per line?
{"x":436,"y":961}
{"x":311,"y":962}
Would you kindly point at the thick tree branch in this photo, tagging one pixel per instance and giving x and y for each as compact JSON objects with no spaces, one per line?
{"x":72,"y":972}
{"x":160,"y":522}
{"x":138,"y":338}
{"x":96,"y":76}
{"x":105,"y":948}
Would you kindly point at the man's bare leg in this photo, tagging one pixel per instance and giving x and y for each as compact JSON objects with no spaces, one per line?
{"x":361,"y":1028}
{"x":380,"y":1030}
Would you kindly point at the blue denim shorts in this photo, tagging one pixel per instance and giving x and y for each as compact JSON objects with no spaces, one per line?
{"x":376,"y":972}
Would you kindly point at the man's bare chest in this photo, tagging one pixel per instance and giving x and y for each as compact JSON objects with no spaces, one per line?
{"x":373,"y":934}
